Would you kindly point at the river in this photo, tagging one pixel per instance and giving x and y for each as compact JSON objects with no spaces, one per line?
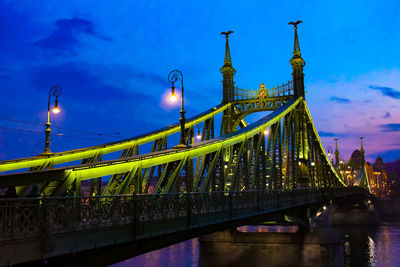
{"x":363,"y":246}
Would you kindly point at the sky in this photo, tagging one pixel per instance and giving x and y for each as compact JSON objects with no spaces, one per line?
{"x":112,"y":59}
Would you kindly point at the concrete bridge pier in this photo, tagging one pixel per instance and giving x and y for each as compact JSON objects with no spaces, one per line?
{"x":319,"y":238}
{"x":355,"y":210}
{"x":235,"y":248}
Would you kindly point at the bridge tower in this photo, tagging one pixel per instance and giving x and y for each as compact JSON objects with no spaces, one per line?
{"x":337,"y":161}
{"x":297,"y":63}
{"x":228,"y":87}
{"x":227,"y":72}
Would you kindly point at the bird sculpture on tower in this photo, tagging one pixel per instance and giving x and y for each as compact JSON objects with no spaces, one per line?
{"x":227,"y":34}
{"x":295,"y":23}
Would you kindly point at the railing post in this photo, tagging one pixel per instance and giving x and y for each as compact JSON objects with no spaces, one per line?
{"x":292,"y":197}
{"x":305,"y":195}
{"x":44,"y":228}
{"x":258,"y":202}
{"x":189,"y":210}
{"x":277,"y":199}
{"x":230,"y":205}
{"x":134,"y":216}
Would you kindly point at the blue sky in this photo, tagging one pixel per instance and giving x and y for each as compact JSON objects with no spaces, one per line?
{"x":112,"y":59}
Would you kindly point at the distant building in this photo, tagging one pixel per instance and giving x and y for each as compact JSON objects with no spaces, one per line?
{"x":379,"y":179}
{"x":355,"y":160}
{"x":359,"y":172}
{"x":356,"y":168}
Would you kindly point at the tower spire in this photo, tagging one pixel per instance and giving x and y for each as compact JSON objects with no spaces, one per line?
{"x":337,"y":161}
{"x":227,"y":72}
{"x":227,"y":59}
{"x":296,"y":48}
{"x":297,"y":63}
{"x":362,"y":152}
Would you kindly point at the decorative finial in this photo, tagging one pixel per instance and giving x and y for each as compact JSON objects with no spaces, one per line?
{"x":226,"y":34}
{"x":295,"y":23}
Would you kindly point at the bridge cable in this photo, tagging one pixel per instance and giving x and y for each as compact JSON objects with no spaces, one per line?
{"x":62,"y":128}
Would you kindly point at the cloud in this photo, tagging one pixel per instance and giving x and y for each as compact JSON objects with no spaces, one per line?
{"x":390,"y":127}
{"x":386,"y":91}
{"x":64,"y":38}
{"x":387,"y":115}
{"x":339,"y":99}
{"x":326,"y":134}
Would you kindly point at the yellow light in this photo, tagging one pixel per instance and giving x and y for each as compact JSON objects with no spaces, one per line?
{"x":198,"y":135}
{"x":299,"y":162}
{"x":56,"y":110}
{"x":312,"y":163}
{"x":324,"y":207}
{"x":266,"y":132}
{"x":173,"y":97}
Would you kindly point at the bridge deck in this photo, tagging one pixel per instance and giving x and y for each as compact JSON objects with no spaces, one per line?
{"x":34,"y":229}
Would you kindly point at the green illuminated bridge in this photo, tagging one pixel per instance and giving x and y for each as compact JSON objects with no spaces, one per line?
{"x":275,"y":165}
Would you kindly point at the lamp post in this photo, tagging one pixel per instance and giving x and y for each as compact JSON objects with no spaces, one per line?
{"x":56,"y":92}
{"x":174,"y":76}
{"x":313,"y":171}
{"x":198,"y":132}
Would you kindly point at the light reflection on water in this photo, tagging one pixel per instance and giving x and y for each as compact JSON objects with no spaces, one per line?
{"x":268,"y":228}
{"x":363,"y":246}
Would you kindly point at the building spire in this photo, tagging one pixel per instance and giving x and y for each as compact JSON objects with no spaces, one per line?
{"x":227,"y":59}
{"x":227,"y":72}
{"x":297,"y":63}
{"x":337,"y":161}
{"x":296,"y":48}
{"x":362,"y":152}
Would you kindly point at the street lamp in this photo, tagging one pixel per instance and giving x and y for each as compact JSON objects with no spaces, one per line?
{"x":56,"y":92}
{"x":198,"y":132}
{"x":174,"y":76}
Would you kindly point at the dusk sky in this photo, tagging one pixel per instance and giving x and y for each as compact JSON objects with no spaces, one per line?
{"x":112,"y":60}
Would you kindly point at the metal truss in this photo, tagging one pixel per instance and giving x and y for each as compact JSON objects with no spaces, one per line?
{"x":290,"y":156}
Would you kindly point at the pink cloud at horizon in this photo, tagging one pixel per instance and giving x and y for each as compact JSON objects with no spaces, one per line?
{"x":352,"y":107}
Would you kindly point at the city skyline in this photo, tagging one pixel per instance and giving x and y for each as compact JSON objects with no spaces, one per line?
{"x":113,"y":63}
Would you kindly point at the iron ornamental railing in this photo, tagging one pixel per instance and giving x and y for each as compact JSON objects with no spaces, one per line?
{"x":286,"y":89}
{"x":149,"y":214}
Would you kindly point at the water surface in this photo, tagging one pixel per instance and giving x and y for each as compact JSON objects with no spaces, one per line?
{"x":363,"y":246}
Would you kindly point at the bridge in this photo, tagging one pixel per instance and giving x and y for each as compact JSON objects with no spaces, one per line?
{"x":166,"y":195}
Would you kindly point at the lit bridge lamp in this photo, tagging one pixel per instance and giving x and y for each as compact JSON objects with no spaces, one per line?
{"x":56,"y":92}
{"x":198,"y":132}
{"x":174,"y":76}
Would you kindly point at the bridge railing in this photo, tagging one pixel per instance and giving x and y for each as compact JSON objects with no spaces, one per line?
{"x":286,"y":89}
{"x":148,"y":214}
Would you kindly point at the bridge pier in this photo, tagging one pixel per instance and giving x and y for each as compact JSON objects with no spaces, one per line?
{"x":354,"y":210}
{"x":319,"y":241}
{"x":235,"y":248}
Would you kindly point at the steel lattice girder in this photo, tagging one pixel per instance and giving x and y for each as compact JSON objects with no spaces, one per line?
{"x":216,"y":145}
{"x":42,"y":162}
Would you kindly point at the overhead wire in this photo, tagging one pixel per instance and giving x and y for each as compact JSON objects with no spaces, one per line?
{"x":117,"y":135}
{"x":36,"y":132}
